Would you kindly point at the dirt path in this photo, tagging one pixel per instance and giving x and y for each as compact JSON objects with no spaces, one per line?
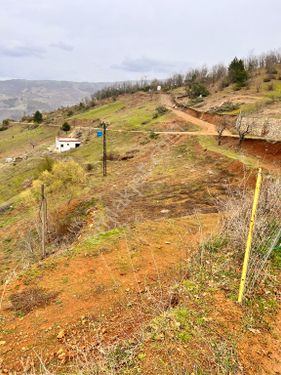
{"x":206,"y":127}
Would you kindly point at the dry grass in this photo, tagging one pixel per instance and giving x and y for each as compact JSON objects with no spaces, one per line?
{"x":267,"y":231}
{"x":31,"y":299}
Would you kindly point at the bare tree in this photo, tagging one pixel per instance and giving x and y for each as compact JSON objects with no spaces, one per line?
{"x":221,"y":128}
{"x":32,"y":143}
{"x":265,"y":128}
{"x":243,"y":127}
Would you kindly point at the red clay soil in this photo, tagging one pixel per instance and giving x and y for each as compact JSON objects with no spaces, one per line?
{"x":106,"y":284}
{"x":260,"y":351}
{"x":212,"y":118}
{"x":268,"y":152}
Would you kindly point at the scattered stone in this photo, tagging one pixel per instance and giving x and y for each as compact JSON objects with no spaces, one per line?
{"x":165,"y":211}
{"x":61,"y":334}
{"x":61,"y":356}
{"x":5,"y":207}
{"x":2,"y":343}
{"x":255,"y":331}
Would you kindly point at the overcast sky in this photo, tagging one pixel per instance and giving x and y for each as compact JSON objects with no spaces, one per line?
{"x":108,"y":40}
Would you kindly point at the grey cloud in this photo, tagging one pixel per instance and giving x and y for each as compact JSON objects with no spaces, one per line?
{"x":148,"y":65}
{"x":63,"y":46}
{"x":21,"y":50}
{"x":153,"y":38}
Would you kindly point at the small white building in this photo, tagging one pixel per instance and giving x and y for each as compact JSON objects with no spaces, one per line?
{"x":66,"y":144}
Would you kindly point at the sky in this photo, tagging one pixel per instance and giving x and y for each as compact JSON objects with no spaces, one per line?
{"x":113,"y":40}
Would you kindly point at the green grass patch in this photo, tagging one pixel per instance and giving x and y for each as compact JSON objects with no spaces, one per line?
{"x":102,"y":112}
{"x":16,"y":175}
{"x":19,"y":137}
{"x":91,"y":243}
{"x":213,"y":244}
{"x":128,"y":117}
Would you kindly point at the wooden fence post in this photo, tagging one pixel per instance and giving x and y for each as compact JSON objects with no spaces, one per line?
{"x":43,"y":214}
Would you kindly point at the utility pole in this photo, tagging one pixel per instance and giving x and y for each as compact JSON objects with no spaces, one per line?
{"x":43,"y":216}
{"x":104,"y":159}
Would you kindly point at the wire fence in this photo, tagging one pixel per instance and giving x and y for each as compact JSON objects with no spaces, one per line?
{"x":265,"y":239}
{"x":267,"y":232}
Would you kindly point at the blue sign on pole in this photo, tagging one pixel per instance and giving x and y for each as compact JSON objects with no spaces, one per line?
{"x":99,"y":133}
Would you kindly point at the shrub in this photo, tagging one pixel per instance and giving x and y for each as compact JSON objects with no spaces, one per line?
{"x":194,"y":102}
{"x":225,"y":107}
{"x":32,"y":126}
{"x":26,"y":118}
{"x":223,"y":84}
{"x":113,"y":156}
{"x":45,"y":164}
{"x":6,"y":122}
{"x":64,"y":176}
{"x":67,"y":221}
{"x":153,"y":135}
{"x":30,"y":299}
{"x":89,"y":167}
{"x":161,"y":110}
{"x":3,"y":127}
{"x":196,"y":90}
{"x":271,"y":70}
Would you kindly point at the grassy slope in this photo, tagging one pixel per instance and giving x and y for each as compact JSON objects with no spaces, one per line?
{"x":257,"y":96}
{"x":17,"y":139}
{"x":144,"y":263}
{"x":127,"y":114}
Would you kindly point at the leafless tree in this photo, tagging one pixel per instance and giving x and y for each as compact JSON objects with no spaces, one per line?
{"x":33,"y":144}
{"x":265,"y":128}
{"x":221,"y":128}
{"x":243,"y":127}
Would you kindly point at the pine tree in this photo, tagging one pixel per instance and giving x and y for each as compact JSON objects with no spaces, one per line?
{"x":38,"y":117}
{"x":237,"y":72}
{"x":65,"y":127}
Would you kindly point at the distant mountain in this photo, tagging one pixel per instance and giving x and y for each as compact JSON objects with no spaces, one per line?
{"x":19,"y":96}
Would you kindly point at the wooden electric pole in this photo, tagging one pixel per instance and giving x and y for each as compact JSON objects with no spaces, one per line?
{"x":104,"y":159}
{"x":43,"y":216}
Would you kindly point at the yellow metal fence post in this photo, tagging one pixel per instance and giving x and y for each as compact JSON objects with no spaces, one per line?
{"x":250,"y":237}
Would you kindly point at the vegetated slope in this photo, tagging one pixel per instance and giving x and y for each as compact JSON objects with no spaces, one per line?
{"x":124,"y":283}
{"x":258,"y":100}
{"x":19,"y":97}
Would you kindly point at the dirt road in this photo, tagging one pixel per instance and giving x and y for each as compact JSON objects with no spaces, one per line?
{"x":206,"y":127}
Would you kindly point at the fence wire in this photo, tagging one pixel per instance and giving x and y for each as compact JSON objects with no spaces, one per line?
{"x":267,"y":232}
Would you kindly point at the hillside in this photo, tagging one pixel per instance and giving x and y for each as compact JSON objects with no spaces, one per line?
{"x":19,"y":97}
{"x":143,"y":266}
